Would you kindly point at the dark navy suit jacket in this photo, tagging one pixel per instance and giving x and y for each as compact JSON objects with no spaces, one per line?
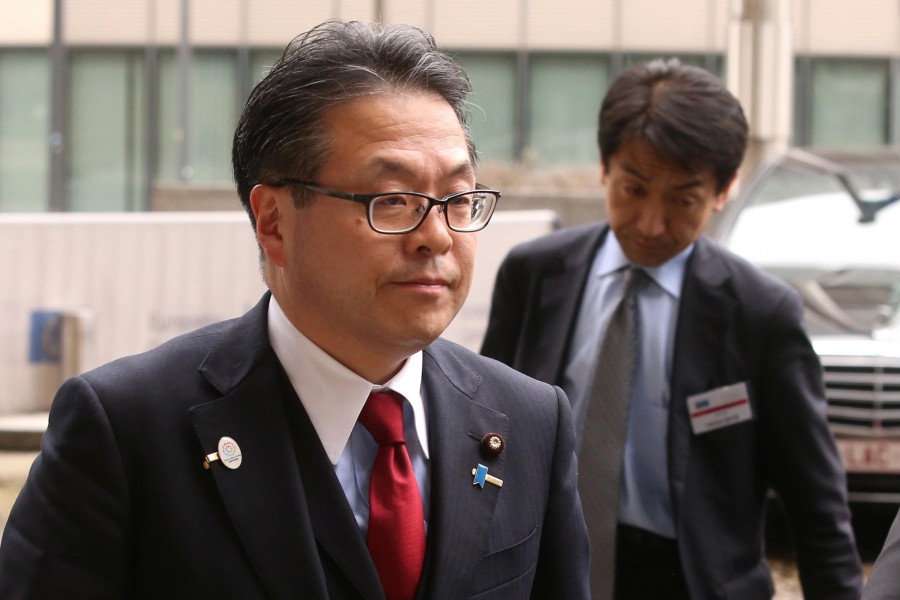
{"x":884,"y":578}
{"x":119,"y":505}
{"x":735,"y":324}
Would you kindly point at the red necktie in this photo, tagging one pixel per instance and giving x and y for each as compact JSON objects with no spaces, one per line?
{"x":396,"y":537}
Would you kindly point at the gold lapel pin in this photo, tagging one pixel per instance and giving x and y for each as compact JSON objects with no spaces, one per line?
{"x":209,"y":458}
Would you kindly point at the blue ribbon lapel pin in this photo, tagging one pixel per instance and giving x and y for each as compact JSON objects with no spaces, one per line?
{"x":481,"y":476}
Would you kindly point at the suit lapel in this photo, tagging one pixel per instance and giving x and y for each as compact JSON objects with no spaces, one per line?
{"x":460,"y":512}
{"x":265,"y":497}
{"x":561,"y":291}
{"x":705,"y":312}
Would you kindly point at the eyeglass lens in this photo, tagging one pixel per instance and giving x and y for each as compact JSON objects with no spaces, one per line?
{"x":400,"y":212}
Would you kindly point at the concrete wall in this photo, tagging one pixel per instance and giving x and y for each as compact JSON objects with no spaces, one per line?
{"x":871,"y":27}
{"x":82,"y":289}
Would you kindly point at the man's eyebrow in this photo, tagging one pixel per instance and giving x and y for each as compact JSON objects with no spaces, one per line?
{"x":389,"y":166}
{"x":463,"y":168}
{"x":635,"y":173}
{"x":690,"y":183}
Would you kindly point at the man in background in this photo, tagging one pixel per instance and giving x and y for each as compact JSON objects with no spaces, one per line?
{"x":325,"y":445}
{"x":706,"y":392}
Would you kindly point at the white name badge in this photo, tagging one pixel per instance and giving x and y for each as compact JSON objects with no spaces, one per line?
{"x":719,"y":408}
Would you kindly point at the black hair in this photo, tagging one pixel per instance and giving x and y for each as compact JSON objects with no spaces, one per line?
{"x":684,"y":112}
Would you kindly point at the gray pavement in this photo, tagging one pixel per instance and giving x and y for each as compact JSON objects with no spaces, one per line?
{"x":20,"y":439}
{"x":14,"y":465}
{"x":22,"y":431}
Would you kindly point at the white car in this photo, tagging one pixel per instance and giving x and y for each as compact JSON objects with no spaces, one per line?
{"x":829,"y":224}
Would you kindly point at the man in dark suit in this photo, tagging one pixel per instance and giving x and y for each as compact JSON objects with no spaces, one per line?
{"x":326,"y":444}
{"x":724,"y":398}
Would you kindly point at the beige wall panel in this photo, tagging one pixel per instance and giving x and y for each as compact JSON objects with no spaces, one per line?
{"x":216,"y":22}
{"x":477,"y":24}
{"x":854,"y":28}
{"x":800,"y":24}
{"x":26,"y":23}
{"x":276,"y":22}
{"x":718,"y":25}
{"x":104,"y":22}
{"x":410,"y":12}
{"x":570,"y":25}
{"x":114,"y":22}
{"x":166,"y":28}
{"x":355,"y":10}
{"x":682,"y":25}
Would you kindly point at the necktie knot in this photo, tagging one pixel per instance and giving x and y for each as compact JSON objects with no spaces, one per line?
{"x":632,"y":278}
{"x":382,"y":416}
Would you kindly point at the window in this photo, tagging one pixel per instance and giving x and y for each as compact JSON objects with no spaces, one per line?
{"x":493,"y":104}
{"x":565,"y":95}
{"x":714,"y":63}
{"x":107,"y":133}
{"x":24,"y":127}
{"x":848,"y":104}
{"x":261,"y":62}
{"x":212,"y":117}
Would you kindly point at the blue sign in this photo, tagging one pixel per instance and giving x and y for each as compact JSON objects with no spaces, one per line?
{"x":46,"y":337}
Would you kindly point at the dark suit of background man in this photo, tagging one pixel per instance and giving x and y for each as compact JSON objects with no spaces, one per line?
{"x":714,"y":331}
{"x":884,"y":579}
{"x":119,"y":504}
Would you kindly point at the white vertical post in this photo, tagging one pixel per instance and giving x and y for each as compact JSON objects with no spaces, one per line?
{"x":760,"y":72}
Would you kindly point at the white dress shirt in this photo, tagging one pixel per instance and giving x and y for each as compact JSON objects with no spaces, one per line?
{"x":333,"y":397}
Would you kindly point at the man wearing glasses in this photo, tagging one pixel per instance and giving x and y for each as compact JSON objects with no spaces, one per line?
{"x":326,"y":444}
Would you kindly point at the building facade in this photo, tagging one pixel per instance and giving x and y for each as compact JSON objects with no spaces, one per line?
{"x":116,"y":105}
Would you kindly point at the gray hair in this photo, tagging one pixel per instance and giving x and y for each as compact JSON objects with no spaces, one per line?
{"x":281,"y":134}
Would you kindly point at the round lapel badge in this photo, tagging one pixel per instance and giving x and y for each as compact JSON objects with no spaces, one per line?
{"x":229,"y":453}
{"x":492,"y":444}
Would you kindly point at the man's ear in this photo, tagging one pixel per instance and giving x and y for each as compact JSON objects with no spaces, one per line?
{"x":264,"y":201}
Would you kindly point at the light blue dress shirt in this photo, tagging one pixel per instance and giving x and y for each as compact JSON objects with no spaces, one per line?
{"x":333,"y":397}
{"x":644,"y":495}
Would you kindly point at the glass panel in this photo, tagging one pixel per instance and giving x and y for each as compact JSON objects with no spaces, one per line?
{"x":565,"y":92}
{"x":212,"y":117}
{"x":261,"y":62}
{"x":214,"y":114}
{"x":106,"y":139}
{"x":24,"y":126}
{"x":713,"y":63}
{"x":492,"y":111}
{"x":849,"y":102}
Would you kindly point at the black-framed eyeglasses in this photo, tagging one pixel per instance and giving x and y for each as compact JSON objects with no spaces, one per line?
{"x":402,"y":212}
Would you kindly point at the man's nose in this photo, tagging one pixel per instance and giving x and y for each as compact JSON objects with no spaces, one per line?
{"x":433,"y":235}
{"x":651,"y":221}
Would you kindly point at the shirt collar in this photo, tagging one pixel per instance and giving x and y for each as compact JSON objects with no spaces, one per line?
{"x":333,"y":395}
{"x":669,"y":275}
